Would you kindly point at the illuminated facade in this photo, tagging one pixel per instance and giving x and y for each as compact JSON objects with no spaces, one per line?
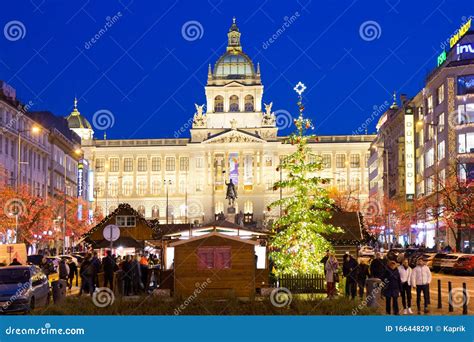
{"x":233,"y":138}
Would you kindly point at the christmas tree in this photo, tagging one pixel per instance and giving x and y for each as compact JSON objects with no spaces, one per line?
{"x":298,"y":243}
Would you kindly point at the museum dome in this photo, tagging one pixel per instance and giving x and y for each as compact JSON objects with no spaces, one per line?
{"x":76,"y":120}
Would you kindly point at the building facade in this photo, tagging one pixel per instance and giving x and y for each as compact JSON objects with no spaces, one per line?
{"x":232,"y":137}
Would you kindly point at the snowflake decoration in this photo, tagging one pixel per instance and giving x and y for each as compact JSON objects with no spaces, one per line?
{"x":300,"y":88}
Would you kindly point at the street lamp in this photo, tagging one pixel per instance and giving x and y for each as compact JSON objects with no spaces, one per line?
{"x":435,"y":147}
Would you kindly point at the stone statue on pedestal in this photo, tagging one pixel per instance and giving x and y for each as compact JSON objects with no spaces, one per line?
{"x":231,"y":193}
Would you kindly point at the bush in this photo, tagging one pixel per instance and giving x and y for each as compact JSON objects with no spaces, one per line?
{"x":150,"y":305}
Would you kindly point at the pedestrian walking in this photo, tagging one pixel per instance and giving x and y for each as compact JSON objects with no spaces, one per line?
{"x":144,"y":271}
{"x":362,"y":273}
{"x":127,"y":276}
{"x":349,"y":269}
{"x":392,"y":288}
{"x":377,"y":267}
{"x":87,"y":276}
{"x":324,"y":260}
{"x":421,"y":279}
{"x":73,"y":273}
{"x":405,"y":277}
{"x":63,"y":270}
{"x":109,"y":266}
{"x":332,"y":275}
{"x":95,"y":261}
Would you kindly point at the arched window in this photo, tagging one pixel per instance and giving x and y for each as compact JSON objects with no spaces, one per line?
{"x":249,"y":103}
{"x":141,"y":210}
{"x":248,"y":207}
{"x":155,"y":212}
{"x":234,"y":103}
{"x":218,"y":104}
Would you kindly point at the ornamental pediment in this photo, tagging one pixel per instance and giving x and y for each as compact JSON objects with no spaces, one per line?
{"x":233,"y":136}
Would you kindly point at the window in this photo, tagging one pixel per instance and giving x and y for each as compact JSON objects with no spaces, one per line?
{"x":249,"y":103}
{"x":199,"y":186}
{"x":214,"y":258}
{"x":429,"y":185}
{"x":155,"y":187}
{"x":141,"y":187}
{"x":326,"y":161}
{"x":466,"y":143}
{"x":156,"y":164}
{"x":199,"y":163}
{"x":113,"y":188}
{"x":355,"y":184}
{"x":125,"y":221}
{"x":142,"y":164}
{"x":99,"y":188}
{"x":465,"y":114}
{"x":441,"y":122}
{"x":340,"y":160}
{"x":441,"y":150}
{"x":141,"y":210}
{"x":155,"y":212}
{"x":268,"y":160}
{"x":182,"y":186}
{"x":441,"y":179}
{"x":367,"y":157}
{"x":429,"y":158}
{"x":184,"y":164}
{"x":218,"y":104}
{"x":248,"y":207}
{"x":127,"y":164}
{"x":170,"y":164}
{"x":341,"y":184}
{"x":430,"y":104}
{"x":114,"y":164}
{"x":440,"y":94}
{"x":355,"y":160}
{"x":233,"y":104}
{"x":127,"y":188}
{"x":100,"y":165}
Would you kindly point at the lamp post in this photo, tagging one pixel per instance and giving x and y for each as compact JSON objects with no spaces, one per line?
{"x":435,"y":150}
{"x":279,"y":168}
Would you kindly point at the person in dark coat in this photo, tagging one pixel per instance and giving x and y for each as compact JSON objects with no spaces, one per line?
{"x":324,"y":260}
{"x":392,"y":288}
{"x":109,"y":266}
{"x":15,"y":262}
{"x":87,"y":275}
{"x":73,"y":274}
{"x":96,"y":268}
{"x":127,"y":276}
{"x":377,"y":267}
{"x":362,"y":275}
{"x":349,"y":269}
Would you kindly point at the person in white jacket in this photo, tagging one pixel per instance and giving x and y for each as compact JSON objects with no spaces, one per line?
{"x":421,"y":279}
{"x":405,"y":277}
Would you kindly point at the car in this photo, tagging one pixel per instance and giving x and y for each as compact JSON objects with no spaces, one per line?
{"x":465,"y":264}
{"x":70,"y":258}
{"x":436,"y":264}
{"x":23,"y":288}
{"x":427,"y":257}
{"x":365,"y":251}
{"x":448,"y":262}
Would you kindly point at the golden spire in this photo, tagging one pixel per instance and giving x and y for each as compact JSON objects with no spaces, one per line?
{"x":75,"y":102}
{"x":394,"y":104}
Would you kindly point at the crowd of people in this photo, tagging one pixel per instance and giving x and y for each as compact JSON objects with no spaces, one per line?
{"x":394,"y":280}
{"x":134,"y":273}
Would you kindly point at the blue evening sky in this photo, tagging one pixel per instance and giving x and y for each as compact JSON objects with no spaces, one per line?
{"x":149,"y":76}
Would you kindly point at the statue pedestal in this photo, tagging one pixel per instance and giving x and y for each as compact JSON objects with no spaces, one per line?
{"x":231,"y":214}
{"x":231,"y":210}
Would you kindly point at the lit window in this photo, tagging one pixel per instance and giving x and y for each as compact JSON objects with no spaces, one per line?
{"x":430,"y":104}
{"x":170,"y":164}
{"x":233,"y":104}
{"x":355,"y":160}
{"x":249,"y":103}
{"x":114,"y":164}
{"x":218,"y":104}
{"x":184,"y":164}
{"x":440,"y":93}
{"x":142,"y":164}
{"x":125,"y":221}
{"x":441,"y":122}
{"x":100,"y":165}
{"x":128,"y":164}
{"x":441,"y":150}
{"x":327,"y":161}
{"x":340,"y":160}
{"x":156,"y":164}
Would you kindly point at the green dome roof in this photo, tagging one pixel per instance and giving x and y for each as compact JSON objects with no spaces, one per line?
{"x":76,"y":120}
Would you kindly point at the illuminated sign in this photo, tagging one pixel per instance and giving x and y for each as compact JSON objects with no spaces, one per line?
{"x":442,"y":57}
{"x":234,"y":167}
{"x":460,"y":33}
{"x":409,"y":154}
{"x":80,"y":179}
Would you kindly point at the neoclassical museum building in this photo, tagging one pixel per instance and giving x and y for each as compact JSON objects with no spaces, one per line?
{"x":183,"y":180}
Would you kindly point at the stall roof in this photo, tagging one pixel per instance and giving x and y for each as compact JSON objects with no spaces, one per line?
{"x":206,"y":236}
